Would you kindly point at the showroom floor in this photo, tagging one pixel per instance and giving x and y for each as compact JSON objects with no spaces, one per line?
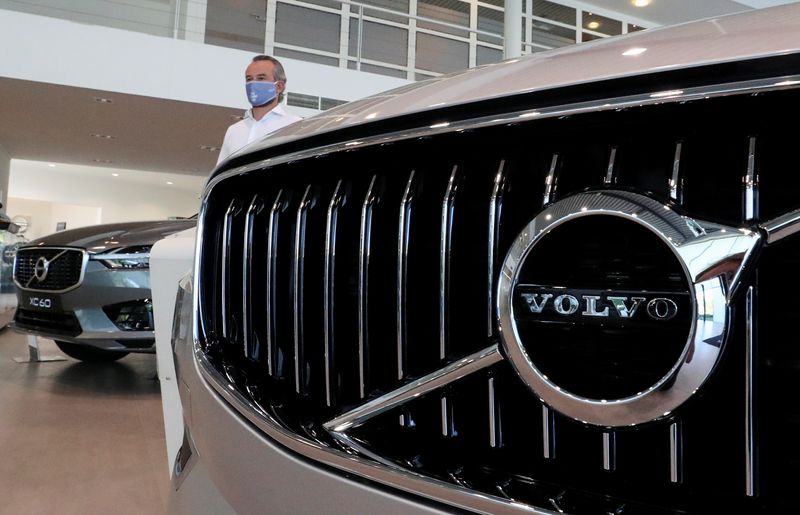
{"x":79,"y":438}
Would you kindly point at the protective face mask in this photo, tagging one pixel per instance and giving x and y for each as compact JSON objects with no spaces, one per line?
{"x":260,"y":93}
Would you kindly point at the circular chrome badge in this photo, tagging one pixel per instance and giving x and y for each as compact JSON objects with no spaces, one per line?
{"x":41,"y":268}
{"x":613,"y":308}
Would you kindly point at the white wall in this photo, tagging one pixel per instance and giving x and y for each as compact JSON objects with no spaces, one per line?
{"x":42,"y":216}
{"x":129,"y":196}
{"x":57,"y":51}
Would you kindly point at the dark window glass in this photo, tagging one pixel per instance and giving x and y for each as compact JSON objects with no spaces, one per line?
{"x":490,"y":20}
{"x":601,"y":24}
{"x":486,"y":55}
{"x":305,"y":56}
{"x":441,"y":55}
{"x":551,"y":36}
{"x":555,"y":12}
{"x":379,"y":42}
{"x":448,"y":11}
{"x":307,"y":28}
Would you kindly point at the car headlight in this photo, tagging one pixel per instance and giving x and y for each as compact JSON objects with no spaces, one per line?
{"x":126,"y":258}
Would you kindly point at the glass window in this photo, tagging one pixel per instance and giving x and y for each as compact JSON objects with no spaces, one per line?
{"x":333,"y":4}
{"x":380,"y":70}
{"x":239,"y":26}
{"x":305,"y":56}
{"x":490,"y":20}
{"x":601,"y":24}
{"x":555,"y":12}
{"x":486,"y":55}
{"x":379,"y":43}
{"x":590,"y":37}
{"x":307,"y":28}
{"x":300,"y":100}
{"x":330,"y":103}
{"x":498,"y":3}
{"x":448,"y":11}
{"x":437,"y":54}
{"x":400,"y":6}
{"x":551,"y":36}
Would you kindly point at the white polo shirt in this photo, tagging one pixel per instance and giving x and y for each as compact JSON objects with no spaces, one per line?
{"x":249,"y":129}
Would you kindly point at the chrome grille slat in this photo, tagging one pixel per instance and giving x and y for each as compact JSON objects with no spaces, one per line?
{"x":278,"y":206}
{"x":610,"y":171}
{"x":609,"y":451}
{"x":227,"y":227}
{"x":551,"y":181}
{"x":403,"y":240}
{"x":676,"y":181}
{"x":750,"y":184}
{"x":548,"y":433}
{"x":256,"y":205}
{"x":337,"y":200}
{"x":751,"y":469}
{"x":364,"y":249}
{"x":446,"y":242}
{"x":676,"y":452}
{"x":308,"y":201}
{"x":495,"y":212}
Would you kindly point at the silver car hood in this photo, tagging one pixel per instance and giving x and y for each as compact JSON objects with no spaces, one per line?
{"x":748,"y":35}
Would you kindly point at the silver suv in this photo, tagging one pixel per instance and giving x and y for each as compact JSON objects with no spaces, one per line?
{"x":558,"y":284}
{"x":89,"y":289}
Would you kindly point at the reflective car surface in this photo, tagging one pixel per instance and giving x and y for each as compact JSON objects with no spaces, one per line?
{"x":89,"y":288}
{"x":557,"y":284}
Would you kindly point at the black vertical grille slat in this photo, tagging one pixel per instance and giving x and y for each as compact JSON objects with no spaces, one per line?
{"x":399,"y":279}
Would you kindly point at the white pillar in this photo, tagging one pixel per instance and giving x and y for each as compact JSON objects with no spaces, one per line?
{"x":512,"y":29}
{"x":5,"y":170}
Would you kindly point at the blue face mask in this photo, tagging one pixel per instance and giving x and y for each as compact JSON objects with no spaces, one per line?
{"x":260,"y":93}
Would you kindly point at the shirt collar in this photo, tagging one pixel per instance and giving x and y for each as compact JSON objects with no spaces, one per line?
{"x":277,"y":110}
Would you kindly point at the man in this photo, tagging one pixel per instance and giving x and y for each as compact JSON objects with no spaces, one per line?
{"x":265,"y":83}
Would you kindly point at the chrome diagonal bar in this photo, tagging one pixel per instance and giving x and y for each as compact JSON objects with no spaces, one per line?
{"x":415,"y":389}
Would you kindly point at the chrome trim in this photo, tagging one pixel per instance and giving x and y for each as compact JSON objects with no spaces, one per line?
{"x":385,"y":473}
{"x":533,"y":113}
{"x":233,"y":210}
{"x":84,"y":261}
{"x":676,"y":181}
{"x":551,"y":181}
{"x":364,"y":250}
{"x":750,"y":185}
{"x":495,"y":430}
{"x":676,"y":452}
{"x":338,"y":199}
{"x":415,"y":389}
{"x":445,"y":251}
{"x":782,"y":226}
{"x":610,"y":176}
{"x":548,"y":433}
{"x":610,"y":451}
{"x":278,"y":206}
{"x":402,"y":272}
{"x":713,"y":260}
{"x":495,"y":210}
{"x":751,"y":470}
{"x":308,"y":202}
{"x":256,"y":205}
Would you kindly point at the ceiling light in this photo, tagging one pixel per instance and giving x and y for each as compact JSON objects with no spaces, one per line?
{"x":101,"y":100}
{"x":634,"y":51}
{"x":102,"y":136}
{"x":170,"y":183}
{"x":593,"y":25}
{"x":115,"y":174}
{"x":51,"y":165}
{"x":640,"y":3}
{"x":209,"y":148}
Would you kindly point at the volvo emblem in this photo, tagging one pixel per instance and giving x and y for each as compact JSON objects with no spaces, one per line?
{"x":41,"y":268}
{"x":613,"y":307}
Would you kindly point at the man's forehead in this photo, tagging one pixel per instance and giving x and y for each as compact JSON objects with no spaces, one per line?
{"x":260,"y":68}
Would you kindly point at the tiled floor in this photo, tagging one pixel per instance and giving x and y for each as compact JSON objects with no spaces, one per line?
{"x":79,"y":438}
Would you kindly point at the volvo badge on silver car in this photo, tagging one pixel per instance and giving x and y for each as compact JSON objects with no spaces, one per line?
{"x":613,"y":307}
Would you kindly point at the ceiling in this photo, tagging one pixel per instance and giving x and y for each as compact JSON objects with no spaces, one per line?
{"x":53,"y":123}
{"x":57,"y":124}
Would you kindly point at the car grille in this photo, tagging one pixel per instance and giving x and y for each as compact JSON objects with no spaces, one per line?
{"x":64,"y":272}
{"x":62,"y":324}
{"x":330,"y":281}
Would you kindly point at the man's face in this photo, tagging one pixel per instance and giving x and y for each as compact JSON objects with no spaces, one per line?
{"x":263,"y":71}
